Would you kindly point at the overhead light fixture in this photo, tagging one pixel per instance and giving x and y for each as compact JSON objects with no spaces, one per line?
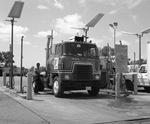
{"x":114,"y":26}
{"x":91,"y":23}
{"x":16,"y":10}
{"x":146,"y":31}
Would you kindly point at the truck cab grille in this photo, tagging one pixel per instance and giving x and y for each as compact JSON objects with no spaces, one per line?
{"x":82,"y":72}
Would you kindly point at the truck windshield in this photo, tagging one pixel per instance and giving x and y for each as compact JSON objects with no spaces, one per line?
{"x":77,"y":49}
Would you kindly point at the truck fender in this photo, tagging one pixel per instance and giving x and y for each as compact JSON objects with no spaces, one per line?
{"x":51,"y":80}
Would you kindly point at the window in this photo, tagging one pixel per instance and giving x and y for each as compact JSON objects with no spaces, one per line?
{"x":58,"y":50}
{"x":143,"y":69}
{"x":76,"y":49}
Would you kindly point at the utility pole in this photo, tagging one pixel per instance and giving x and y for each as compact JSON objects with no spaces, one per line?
{"x":21,"y":64}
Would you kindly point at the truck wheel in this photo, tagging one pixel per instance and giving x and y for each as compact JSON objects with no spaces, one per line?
{"x":129,"y":85}
{"x":57,"y":88}
{"x":147,"y":89}
{"x":94,"y":91}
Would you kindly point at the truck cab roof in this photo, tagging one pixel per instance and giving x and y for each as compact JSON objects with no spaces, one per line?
{"x":75,"y":42}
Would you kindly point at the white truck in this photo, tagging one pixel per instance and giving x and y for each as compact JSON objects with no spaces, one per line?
{"x":142,"y":76}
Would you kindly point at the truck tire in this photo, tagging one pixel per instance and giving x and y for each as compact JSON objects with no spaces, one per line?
{"x":57,"y":88}
{"x":94,"y":91}
{"x":129,"y":85}
{"x":147,"y":89}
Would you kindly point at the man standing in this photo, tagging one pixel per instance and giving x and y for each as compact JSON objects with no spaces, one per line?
{"x":36,"y":78}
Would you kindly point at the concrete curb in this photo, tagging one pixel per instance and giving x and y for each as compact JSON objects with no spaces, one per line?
{"x":14,"y":91}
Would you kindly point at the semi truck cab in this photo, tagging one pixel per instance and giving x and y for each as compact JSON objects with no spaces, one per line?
{"x":74,"y":66}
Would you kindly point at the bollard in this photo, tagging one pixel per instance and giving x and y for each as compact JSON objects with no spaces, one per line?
{"x":4,"y":78}
{"x":117,"y":85}
{"x":29,"y":86}
{"x":135,"y":81}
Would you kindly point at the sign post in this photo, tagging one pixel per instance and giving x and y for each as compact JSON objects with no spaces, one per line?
{"x":121,"y":58}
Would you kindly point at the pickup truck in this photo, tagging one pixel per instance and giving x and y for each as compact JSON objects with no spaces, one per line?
{"x":142,"y":76}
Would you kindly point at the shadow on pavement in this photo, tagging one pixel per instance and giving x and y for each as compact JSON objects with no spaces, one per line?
{"x":78,"y":95}
{"x":123,"y":102}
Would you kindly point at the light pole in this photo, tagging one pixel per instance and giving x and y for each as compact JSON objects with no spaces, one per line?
{"x":134,"y":61}
{"x":139,"y":36}
{"x":21,"y":64}
{"x":114,"y":26}
{"x":146,"y":31}
{"x":15,"y":12}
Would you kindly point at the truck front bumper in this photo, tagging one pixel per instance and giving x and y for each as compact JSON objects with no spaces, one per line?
{"x":79,"y":85}
{"x":79,"y":81}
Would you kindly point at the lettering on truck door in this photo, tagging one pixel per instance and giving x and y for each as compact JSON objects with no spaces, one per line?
{"x":56,"y":63}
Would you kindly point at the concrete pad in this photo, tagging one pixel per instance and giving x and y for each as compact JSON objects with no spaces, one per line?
{"x":79,"y":107}
{"x":12,"y":112}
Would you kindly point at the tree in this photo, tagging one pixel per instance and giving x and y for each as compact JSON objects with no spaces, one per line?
{"x":1,"y":58}
{"x":107,"y":51}
{"x":5,"y":57}
{"x":143,"y":61}
{"x":137,"y":61}
{"x":31,"y":69}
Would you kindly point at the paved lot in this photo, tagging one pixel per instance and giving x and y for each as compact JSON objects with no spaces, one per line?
{"x":12,"y":112}
{"x":79,"y":107}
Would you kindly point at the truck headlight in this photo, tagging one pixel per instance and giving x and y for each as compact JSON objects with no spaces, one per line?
{"x":67,"y":77}
{"x":97,"y":77}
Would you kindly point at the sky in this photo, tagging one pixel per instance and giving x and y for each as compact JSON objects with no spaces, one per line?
{"x":39,"y":17}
